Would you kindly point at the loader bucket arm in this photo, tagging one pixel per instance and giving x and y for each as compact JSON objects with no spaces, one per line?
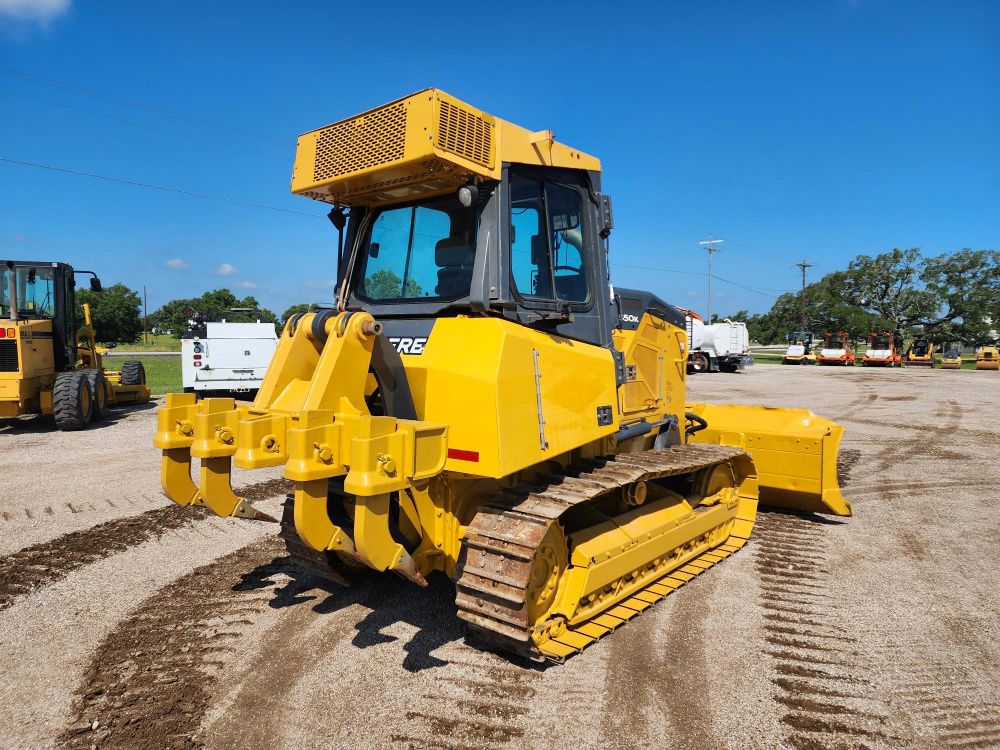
{"x":794,"y":450}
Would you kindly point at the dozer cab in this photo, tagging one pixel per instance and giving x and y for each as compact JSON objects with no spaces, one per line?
{"x":480,"y":402}
{"x":988,"y":358}
{"x":837,"y":350}
{"x":921,"y":354}
{"x":800,"y":349}
{"x":49,"y":360}
{"x":883,"y":350}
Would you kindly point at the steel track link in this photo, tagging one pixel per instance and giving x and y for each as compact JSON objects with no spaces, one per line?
{"x":501,"y":541}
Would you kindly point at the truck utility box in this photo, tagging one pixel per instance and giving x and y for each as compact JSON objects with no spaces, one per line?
{"x":226,"y":356}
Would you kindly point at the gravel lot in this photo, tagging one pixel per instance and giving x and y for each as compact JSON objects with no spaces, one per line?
{"x":128,"y":623}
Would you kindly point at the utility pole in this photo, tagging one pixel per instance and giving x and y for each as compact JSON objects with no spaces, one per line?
{"x":711,"y":248}
{"x":145,"y":328}
{"x":804,"y":265}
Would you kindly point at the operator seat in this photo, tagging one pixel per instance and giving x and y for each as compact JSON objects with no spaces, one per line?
{"x":455,"y":257}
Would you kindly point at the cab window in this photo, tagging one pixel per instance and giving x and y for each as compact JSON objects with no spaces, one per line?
{"x":547,"y":260}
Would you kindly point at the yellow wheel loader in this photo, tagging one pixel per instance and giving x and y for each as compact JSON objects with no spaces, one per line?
{"x":48,"y":363}
{"x":480,"y":402}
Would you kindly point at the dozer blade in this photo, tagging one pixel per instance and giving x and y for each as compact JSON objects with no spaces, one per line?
{"x":794,"y":450}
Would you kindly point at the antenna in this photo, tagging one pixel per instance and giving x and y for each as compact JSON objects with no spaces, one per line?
{"x":804,"y":265}
{"x":711,"y":248}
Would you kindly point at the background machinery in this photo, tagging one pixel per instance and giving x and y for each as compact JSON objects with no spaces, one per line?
{"x":988,"y":358}
{"x":49,"y":360}
{"x":921,"y":353}
{"x":800,"y":349}
{"x":837,"y":350}
{"x":883,"y":350}
{"x":480,"y":403}
{"x":951,"y":359}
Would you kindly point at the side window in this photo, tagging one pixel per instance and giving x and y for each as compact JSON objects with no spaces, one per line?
{"x":529,"y":249}
{"x":568,"y":264}
{"x":401,"y":260}
{"x":547,"y":260}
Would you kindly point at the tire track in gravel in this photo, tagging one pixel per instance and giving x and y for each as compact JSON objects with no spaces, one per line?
{"x":480,"y":705}
{"x":667,"y":680}
{"x":825,"y":687}
{"x":29,"y":569}
{"x":152,"y":679}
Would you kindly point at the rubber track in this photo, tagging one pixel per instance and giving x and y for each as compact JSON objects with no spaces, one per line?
{"x":500,"y":545}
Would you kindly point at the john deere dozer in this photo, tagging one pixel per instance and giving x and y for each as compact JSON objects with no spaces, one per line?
{"x":481,"y":402}
{"x":49,"y":360}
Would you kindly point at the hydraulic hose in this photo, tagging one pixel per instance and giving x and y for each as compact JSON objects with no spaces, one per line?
{"x":699,"y":424}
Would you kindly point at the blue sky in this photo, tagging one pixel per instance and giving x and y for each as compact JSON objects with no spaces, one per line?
{"x":814,"y":130}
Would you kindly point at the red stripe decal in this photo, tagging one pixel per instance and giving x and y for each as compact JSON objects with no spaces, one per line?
{"x":463,"y":455}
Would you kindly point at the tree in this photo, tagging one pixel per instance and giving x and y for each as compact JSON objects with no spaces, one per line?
{"x":385,"y":284}
{"x":295,"y":310}
{"x":215,"y":305}
{"x":115,"y":311}
{"x":963,"y":288}
{"x":886,"y":286}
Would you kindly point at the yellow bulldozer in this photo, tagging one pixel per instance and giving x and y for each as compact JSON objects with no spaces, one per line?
{"x":49,"y":360}
{"x":480,"y":401}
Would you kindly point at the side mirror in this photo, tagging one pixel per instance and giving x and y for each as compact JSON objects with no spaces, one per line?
{"x":607,"y":220}
{"x":95,"y":284}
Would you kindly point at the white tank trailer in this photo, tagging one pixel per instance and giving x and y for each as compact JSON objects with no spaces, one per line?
{"x":719,"y":347}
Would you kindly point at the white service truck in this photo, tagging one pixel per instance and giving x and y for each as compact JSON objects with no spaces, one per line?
{"x":226,"y":356}
{"x":719,"y":347}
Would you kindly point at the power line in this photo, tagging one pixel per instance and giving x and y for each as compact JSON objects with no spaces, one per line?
{"x":756,"y":290}
{"x":226,"y":144}
{"x":164,"y":188}
{"x":30,"y":77}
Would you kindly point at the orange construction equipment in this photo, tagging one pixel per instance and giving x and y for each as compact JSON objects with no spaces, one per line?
{"x":836,"y":350}
{"x":883,"y":351}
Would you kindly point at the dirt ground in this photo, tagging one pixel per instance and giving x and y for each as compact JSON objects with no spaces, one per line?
{"x":128,"y":623}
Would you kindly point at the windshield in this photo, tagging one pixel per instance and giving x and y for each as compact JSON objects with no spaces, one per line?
{"x":880,"y":342}
{"x":920,"y":348}
{"x":35,"y":290}
{"x":419,"y":252}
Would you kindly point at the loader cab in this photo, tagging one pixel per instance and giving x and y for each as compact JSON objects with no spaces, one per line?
{"x":530,"y":247}
{"x":42,"y":291}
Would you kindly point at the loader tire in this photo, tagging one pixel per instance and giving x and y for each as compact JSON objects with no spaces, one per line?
{"x":72,"y":401}
{"x":133,"y":373}
{"x":99,"y":390}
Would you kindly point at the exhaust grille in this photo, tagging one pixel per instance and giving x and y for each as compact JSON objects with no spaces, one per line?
{"x":465,"y":134}
{"x":378,"y":137}
{"x":8,"y":356}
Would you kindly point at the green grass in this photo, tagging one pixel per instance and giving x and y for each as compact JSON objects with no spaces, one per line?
{"x":161,"y":343}
{"x":766,"y":358}
{"x":163,"y":374}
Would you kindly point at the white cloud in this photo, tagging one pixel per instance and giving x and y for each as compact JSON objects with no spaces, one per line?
{"x":319,"y":283}
{"x":174,"y":263}
{"x":41,"y":12}
{"x":246,"y":285}
{"x":226,"y":269}
{"x":692,"y":293}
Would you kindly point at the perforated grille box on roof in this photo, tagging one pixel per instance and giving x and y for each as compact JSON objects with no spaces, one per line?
{"x":378,"y":137}
{"x":464,"y":133}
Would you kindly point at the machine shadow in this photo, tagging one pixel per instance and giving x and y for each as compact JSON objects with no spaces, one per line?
{"x":389,"y":599}
{"x":40,"y":424}
{"x":813,"y":518}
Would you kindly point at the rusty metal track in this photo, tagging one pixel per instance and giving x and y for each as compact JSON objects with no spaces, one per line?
{"x":324,"y":564}
{"x":502,"y":539}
